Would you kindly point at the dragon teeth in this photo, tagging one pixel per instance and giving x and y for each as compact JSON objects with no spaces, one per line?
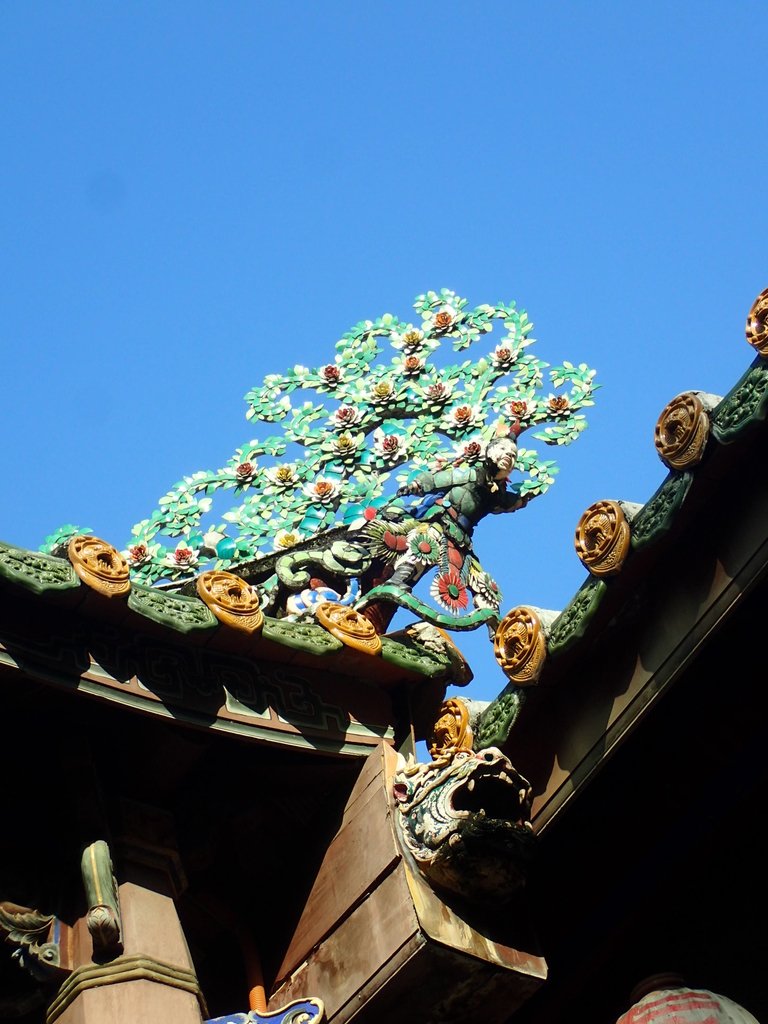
{"x":471,"y":785}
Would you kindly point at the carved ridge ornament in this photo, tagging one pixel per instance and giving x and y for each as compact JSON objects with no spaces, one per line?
{"x":351,"y":627}
{"x":682,"y":431}
{"x":520,"y":646}
{"x":233,"y":601}
{"x":99,"y":565}
{"x":451,"y":732}
{"x":757,"y":324}
{"x":603,"y":538}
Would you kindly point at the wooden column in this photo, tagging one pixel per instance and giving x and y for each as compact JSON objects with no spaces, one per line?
{"x":153,"y":979}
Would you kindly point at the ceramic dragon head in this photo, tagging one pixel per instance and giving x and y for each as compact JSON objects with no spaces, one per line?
{"x":464,"y":818}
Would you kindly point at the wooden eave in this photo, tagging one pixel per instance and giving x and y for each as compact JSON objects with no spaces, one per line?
{"x":652,"y":619}
{"x":645,"y":743}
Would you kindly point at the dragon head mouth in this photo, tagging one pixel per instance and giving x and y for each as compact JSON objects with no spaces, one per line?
{"x":465,"y":819}
{"x":492,"y":791}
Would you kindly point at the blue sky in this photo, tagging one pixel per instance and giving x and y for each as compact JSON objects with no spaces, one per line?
{"x":194,"y":195}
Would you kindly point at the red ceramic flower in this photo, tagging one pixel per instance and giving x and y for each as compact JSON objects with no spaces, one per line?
{"x":183,"y":556}
{"x":462,"y":415}
{"x":346,"y":415}
{"x":138,"y":553}
{"x":323,"y":488}
{"x":450,"y":591}
{"x":558,"y":403}
{"x":244,"y":471}
{"x":331,"y":374}
{"x":438,"y":392}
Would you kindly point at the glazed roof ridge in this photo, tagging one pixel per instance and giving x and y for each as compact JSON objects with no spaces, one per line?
{"x":55,"y":580}
{"x":618,"y":540}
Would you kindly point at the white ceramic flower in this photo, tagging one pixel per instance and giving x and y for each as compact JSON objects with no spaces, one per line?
{"x":182,"y":558}
{"x":470,"y":451}
{"x":463,"y":416}
{"x":443,"y":319}
{"x":345,"y":416}
{"x":283,"y":476}
{"x":389,"y":447}
{"x":411,"y":365}
{"x":437,"y":391}
{"x":382,"y":392}
{"x":503,"y":356}
{"x":410,"y":340}
{"x":286,"y":539}
{"x":322,"y":490}
{"x":345,"y":445}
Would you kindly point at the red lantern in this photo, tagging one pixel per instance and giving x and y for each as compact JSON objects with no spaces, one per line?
{"x":665,"y":999}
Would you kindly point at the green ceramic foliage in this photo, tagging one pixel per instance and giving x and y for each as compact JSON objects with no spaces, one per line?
{"x":413,"y":657}
{"x":301,"y":636}
{"x":658,"y":513}
{"x":495,"y":723}
{"x":184,"y":614}
{"x":383,"y":407}
{"x":744,"y":404}
{"x":35,"y":571}
{"x":571,"y":624}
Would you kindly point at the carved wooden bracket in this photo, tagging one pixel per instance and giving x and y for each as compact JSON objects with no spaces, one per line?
{"x":36,"y":937}
{"x":103,"y":918}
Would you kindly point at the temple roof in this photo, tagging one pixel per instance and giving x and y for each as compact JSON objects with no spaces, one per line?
{"x":79,"y":622}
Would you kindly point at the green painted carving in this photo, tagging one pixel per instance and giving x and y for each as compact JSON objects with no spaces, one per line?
{"x":408,"y":654}
{"x":397,"y":595}
{"x":493,"y":724}
{"x":744,"y":404}
{"x":658,"y":513}
{"x":35,"y":937}
{"x":35,"y":571}
{"x":464,"y":819}
{"x":301,"y":636}
{"x":316,"y":516}
{"x":184,"y":614}
{"x":103,"y":918}
{"x":571,"y":624}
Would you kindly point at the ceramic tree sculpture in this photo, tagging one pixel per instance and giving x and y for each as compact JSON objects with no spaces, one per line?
{"x":378,"y":468}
